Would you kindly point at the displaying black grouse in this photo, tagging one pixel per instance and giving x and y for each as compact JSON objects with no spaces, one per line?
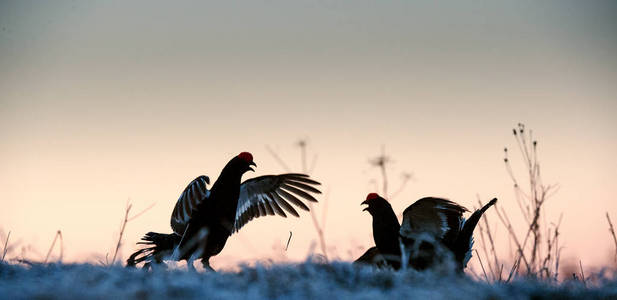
{"x":433,"y":231}
{"x":385,"y":231}
{"x":203,"y":219}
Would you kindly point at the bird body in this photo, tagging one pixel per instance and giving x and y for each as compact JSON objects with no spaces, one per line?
{"x":385,"y":228}
{"x":433,"y":231}
{"x":215,"y":214}
{"x":436,"y":216}
{"x":203,"y":220}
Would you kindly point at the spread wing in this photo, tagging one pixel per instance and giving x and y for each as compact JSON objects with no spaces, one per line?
{"x":193,"y":194}
{"x":439,"y":217}
{"x":272,"y":194}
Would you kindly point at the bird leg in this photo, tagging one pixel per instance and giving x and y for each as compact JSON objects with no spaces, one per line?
{"x":206,"y":262}
{"x":152,"y":265}
{"x":177,"y":254}
{"x":191,"y":259}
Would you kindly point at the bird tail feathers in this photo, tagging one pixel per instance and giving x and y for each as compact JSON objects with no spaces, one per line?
{"x":464,"y":241}
{"x":158,"y":246}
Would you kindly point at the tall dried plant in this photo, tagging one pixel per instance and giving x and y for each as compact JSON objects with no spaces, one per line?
{"x":537,"y":253}
{"x":318,"y":224}
{"x":611,"y":229}
{"x":5,"y":249}
{"x":381,"y":162}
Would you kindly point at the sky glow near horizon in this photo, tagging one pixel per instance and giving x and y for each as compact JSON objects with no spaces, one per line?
{"x":103,"y":102}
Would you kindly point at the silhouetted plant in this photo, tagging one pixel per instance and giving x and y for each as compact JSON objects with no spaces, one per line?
{"x":58,"y":235}
{"x":5,"y":250}
{"x":126,"y":219}
{"x":611,"y":229}
{"x":537,"y":254}
{"x":381,"y":162}
{"x":317,"y":224}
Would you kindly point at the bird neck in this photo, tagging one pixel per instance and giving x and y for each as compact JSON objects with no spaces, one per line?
{"x":385,"y":230}
{"x":227,"y":189}
{"x":386,"y":217}
{"x":230,"y":175}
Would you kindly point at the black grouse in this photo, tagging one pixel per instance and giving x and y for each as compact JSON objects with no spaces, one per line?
{"x":432,"y":232}
{"x":203,"y":219}
{"x":385,"y":232}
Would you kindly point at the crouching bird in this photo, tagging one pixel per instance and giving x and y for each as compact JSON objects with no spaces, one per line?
{"x":203,"y":219}
{"x":433,"y":232}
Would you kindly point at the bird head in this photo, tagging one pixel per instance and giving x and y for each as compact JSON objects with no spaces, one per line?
{"x":375,"y":203}
{"x":243,"y":162}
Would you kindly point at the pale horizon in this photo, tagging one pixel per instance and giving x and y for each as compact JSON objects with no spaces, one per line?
{"x":108,"y":102}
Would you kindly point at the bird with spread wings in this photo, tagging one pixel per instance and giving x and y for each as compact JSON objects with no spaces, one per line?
{"x":203,"y":219}
{"x":433,"y":232}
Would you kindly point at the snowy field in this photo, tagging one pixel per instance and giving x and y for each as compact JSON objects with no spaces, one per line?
{"x":288,"y":281}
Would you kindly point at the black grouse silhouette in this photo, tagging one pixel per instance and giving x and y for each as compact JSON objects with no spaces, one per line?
{"x":385,"y":233}
{"x":203,"y":219}
{"x":432,"y":232}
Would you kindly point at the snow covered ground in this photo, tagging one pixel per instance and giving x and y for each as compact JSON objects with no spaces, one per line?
{"x":339,"y":280}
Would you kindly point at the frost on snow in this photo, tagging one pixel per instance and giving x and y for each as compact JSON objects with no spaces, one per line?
{"x":309,"y":280}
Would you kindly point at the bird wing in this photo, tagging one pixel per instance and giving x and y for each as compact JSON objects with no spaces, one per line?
{"x":193,"y":194}
{"x":438,"y":217}
{"x":272,"y":194}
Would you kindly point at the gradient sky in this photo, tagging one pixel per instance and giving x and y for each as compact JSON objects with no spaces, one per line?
{"x":106,"y":101}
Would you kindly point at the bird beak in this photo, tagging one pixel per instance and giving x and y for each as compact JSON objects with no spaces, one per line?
{"x":364,"y":202}
{"x":252,"y":164}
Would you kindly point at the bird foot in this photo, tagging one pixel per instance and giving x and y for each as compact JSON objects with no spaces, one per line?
{"x":208,"y":268}
{"x":150,"y":266}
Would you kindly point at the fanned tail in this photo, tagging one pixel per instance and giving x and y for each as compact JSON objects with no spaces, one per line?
{"x":158,"y":246}
{"x":464,"y":241}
